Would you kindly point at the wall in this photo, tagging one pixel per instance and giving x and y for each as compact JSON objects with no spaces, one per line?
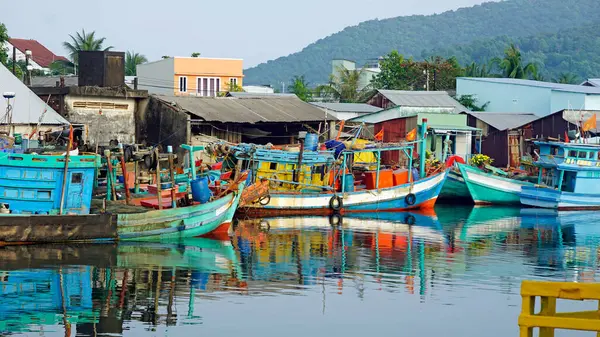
{"x":562,"y":100}
{"x":157,"y":77}
{"x":106,"y":118}
{"x":165,"y":125}
{"x":592,"y":102}
{"x":507,"y":97}
{"x":196,"y":67}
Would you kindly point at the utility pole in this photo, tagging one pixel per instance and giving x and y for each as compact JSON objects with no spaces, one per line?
{"x":29,"y":68}
{"x":427,"y":77}
{"x":14,"y":66}
{"x":283,"y":87}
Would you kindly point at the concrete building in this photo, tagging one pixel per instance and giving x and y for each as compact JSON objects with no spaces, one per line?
{"x":416,"y":101}
{"x":368,"y":71}
{"x":344,"y":111}
{"x":41,"y":57}
{"x":527,"y":96}
{"x":28,"y":109}
{"x":190,"y":76}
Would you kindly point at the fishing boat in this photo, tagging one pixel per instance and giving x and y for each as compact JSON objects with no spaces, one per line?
{"x":455,"y":189}
{"x":347,"y":180}
{"x":569,"y":177}
{"x":487,"y":188}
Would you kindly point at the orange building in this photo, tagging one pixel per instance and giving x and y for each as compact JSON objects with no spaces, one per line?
{"x":190,"y":76}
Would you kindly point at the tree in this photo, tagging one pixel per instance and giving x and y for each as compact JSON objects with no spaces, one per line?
{"x":299,"y":87}
{"x":3,"y":39}
{"x":343,"y":86}
{"x":483,"y":70}
{"x":61,"y":68}
{"x":470,"y":102}
{"x":84,"y":42}
{"x":512,"y":64}
{"x":567,"y":78}
{"x":132,"y":59}
{"x":195,"y":54}
{"x":397,"y":73}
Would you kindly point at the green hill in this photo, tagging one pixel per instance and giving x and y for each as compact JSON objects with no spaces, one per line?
{"x":574,"y":50}
{"x":415,"y":35}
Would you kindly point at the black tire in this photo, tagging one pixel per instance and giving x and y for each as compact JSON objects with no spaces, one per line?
{"x":265,"y":200}
{"x":410,"y":199}
{"x":113,"y":143}
{"x":336,"y":203}
{"x":127,"y":153}
{"x":335,"y":220}
{"x":264,"y":226}
{"x":148,"y":161}
{"x":410,"y":220}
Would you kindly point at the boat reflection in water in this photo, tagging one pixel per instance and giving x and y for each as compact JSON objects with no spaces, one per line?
{"x":441,"y":258}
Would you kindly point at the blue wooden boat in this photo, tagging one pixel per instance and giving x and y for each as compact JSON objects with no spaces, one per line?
{"x":569,"y":177}
{"x":33,"y":184}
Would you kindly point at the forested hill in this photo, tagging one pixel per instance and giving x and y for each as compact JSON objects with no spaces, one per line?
{"x":415,"y":35}
{"x":575,"y":51}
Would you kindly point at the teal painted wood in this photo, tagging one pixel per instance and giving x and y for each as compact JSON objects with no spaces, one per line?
{"x":487,"y":188}
{"x":32,"y":184}
{"x":182,"y":222}
{"x":455,"y":188}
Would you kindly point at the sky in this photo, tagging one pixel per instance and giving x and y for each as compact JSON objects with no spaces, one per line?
{"x":256,"y":31}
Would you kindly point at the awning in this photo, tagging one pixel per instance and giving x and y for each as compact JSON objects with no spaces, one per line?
{"x":453,"y":128}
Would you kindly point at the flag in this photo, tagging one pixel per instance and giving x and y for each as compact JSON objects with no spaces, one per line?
{"x":566,"y":137}
{"x":589,"y":124}
{"x":379,"y":135}
{"x":412,"y":135}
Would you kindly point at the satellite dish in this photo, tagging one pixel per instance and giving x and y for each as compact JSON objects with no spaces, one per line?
{"x":8,"y":94}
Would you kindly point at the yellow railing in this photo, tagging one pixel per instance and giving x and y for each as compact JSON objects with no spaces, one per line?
{"x":548,"y":319}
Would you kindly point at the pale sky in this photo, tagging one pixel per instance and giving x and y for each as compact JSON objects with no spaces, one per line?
{"x":256,"y":31}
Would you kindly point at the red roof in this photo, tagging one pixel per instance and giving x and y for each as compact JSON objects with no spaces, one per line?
{"x":39,"y":54}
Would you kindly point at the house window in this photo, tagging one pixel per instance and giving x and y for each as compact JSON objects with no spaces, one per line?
{"x":76,"y":178}
{"x":209,"y":86}
{"x":233,"y":82}
{"x":182,"y":84}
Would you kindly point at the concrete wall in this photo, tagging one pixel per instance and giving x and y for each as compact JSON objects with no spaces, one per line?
{"x":165,"y":125}
{"x":106,"y":118}
{"x":592,"y":102}
{"x":561,"y":100}
{"x":157,"y":77}
{"x":507,"y":97}
{"x":198,"y":69}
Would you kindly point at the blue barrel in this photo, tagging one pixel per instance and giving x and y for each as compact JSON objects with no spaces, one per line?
{"x":311,"y":142}
{"x":348,"y":183}
{"x":200,"y":191}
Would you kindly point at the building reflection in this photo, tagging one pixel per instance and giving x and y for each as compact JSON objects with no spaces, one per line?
{"x":95,"y":289}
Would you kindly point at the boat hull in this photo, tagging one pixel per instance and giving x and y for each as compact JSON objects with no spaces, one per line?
{"x":394,"y":198}
{"x":489,"y":189}
{"x":542,"y":197}
{"x":177,"y":223}
{"x":455,"y":188}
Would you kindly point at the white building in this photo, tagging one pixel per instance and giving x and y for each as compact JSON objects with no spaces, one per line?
{"x":368,"y":72}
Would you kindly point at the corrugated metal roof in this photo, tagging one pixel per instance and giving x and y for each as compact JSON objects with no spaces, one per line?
{"x":347,"y":107}
{"x":592,"y":82}
{"x":423,"y":99}
{"x":249,"y":110}
{"x":257,"y":95}
{"x":50,"y":81}
{"x":27,"y":106}
{"x":539,"y":84}
{"x":504,"y":121}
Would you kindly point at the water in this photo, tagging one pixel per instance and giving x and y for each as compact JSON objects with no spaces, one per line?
{"x":455,"y":272}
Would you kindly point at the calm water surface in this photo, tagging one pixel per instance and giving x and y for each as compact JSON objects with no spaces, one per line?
{"x":455,"y":272}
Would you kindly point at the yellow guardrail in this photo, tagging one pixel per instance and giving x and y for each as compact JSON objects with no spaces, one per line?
{"x":547,"y":320}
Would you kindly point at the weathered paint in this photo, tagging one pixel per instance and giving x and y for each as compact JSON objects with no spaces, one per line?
{"x":392,"y":198}
{"x":455,"y":188}
{"x":182,"y":222}
{"x":487,"y":188}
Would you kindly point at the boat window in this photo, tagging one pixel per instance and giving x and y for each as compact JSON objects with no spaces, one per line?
{"x":273,"y":166}
{"x":44,"y":194}
{"x":76,"y":178}
{"x":569,"y":181}
{"x":582,"y":154}
{"x":573,"y":154}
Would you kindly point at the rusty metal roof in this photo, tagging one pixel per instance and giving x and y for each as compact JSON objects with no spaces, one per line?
{"x":248,"y":109}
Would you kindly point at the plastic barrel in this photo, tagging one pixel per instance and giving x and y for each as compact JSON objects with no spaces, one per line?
{"x":348,"y":183}
{"x":311,"y":142}
{"x":200,"y":190}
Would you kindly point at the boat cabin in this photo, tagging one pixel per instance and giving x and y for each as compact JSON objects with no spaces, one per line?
{"x":569,"y":167}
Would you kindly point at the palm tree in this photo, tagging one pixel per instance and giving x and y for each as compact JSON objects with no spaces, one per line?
{"x":132,"y":59}
{"x":512,"y":64}
{"x":299,"y":87}
{"x":483,"y":70}
{"x":567,"y":78}
{"x":344,"y":87}
{"x":84,"y":42}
